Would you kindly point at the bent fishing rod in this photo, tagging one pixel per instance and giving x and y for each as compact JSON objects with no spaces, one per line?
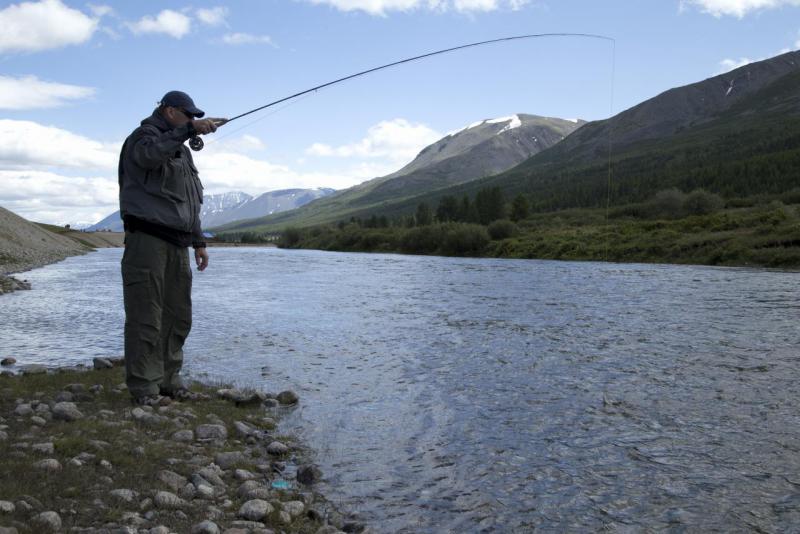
{"x":196,"y":143}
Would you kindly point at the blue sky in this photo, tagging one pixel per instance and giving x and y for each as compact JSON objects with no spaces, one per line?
{"x":77,"y":77}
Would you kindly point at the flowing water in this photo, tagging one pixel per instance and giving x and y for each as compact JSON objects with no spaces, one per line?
{"x":479,"y":395}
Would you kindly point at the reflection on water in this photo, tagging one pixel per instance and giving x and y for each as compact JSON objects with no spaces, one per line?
{"x":475,"y":395}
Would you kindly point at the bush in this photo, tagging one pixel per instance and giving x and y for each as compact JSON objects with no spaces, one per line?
{"x":290,"y":237}
{"x":464,"y":239}
{"x":421,"y":240}
{"x":700,"y":202}
{"x":502,"y":229}
{"x":668,"y":204}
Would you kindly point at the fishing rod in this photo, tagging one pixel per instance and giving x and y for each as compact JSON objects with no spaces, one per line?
{"x":196,"y":143}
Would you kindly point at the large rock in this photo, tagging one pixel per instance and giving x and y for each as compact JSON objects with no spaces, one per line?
{"x":66,"y":411}
{"x":168,"y":501}
{"x":206,"y":527}
{"x":8,"y":361}
{"x":255,"y":510}
{"x":276,"y":448}
{"x":211,"y":432}
{"x":102,"y":363}
{"x":287,"y":398}
{"x":47,"y":522}
{"x":294,"y":508}
{"x":308,"y":474}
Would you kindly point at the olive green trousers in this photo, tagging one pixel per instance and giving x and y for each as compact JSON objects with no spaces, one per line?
{"x":157,"y":289}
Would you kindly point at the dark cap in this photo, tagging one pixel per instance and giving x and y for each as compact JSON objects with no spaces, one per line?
{"x":179,"y":99}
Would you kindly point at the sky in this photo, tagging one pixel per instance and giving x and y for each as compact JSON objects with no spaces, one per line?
{"x":77,"y":77}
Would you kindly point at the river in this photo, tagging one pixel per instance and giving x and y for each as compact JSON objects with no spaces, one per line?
{"x":479,"y":395}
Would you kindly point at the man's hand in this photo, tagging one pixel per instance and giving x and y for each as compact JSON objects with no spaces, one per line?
{"x":207,"y":126}
{"x":201,"y":257}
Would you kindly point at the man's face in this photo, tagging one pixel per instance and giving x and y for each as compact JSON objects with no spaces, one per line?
{"x":176,"y":116}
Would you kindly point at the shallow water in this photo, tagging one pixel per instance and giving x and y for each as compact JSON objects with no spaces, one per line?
{"x":471,"y":395}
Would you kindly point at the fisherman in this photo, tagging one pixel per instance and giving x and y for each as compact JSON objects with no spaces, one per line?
{"x":160,"y":196}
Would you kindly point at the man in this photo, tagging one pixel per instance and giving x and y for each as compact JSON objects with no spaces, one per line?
{"x":160,"y":198}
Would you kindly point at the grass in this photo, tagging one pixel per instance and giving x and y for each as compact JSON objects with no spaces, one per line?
{"x":136,"y":451}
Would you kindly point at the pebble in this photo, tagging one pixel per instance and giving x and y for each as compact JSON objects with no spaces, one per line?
{"x":243,"y":429}
{"x":168,"y":501}
{"x":211,"y":475}
{"x":226,"y":460}
{"x":188,"y":492}
{"x":294,"y":508}
{"x":205,"y":492}
{"x":284,"y":517}
{"x":124,"y":495}
{"x":43,"y":448}
{"x":40,"y":421}
{"x":102,"y":363}
{"x":252,"y":489}
{"x":211,"y":432}
{"x":50,"y":464}
{"x":171,"y":479}
{"x":244,"y":474}
{"x":206,"y":527}
{"x":8,"y":361}
{"x":255,"y":510}
{"x":308,"y":474}
{"x":47,"y":522}
{"x":287,"y":398}
{"x":183,"y":436}
{"x":66,"y":411}
{"x":277,"y":448}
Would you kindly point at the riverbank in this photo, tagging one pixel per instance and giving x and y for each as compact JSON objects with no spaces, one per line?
{"x":77,"y":456}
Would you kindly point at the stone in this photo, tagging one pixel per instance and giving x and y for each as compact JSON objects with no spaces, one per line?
{"x":271,"y":403}
{"x":255,"y":510}
{"x":253,"y":489}
{"x":206,"y":527}
{"x":125,"y":530}
{"x":168,"y":501}
{"x":63,"y":396}
{"x":50,"y":464}
{"x":102,"y":363}
{"x":188,"y":492}
{"x":226,"y":460}
{"x":8,"y":530}
{"x":288,"y":398}
{"x":3,"y":435}
{"x":173,"y":480}
{"x":211,"y":432}
{"x":244,"y":474}
{"x":43,"y":448}
{"x":308,"y":474}
{"x":183,"y":436}
{"x":96,"y":389}
{"x":7,"y":507}
{"x":328,"y":529}
{"x":105,"y":464}
{"x":160,"y":529}
{"x":47,"y":522}
{"x":34,"y":369}
{"x":294,"y":508}
{"x":276,"y":448}
{"x":284,"y":517}
{"x":39,"y":421}
{"x":8,"y":361}
{"x":23,"y":410}
{"x":243,"y":429}
{"x":66,"y":411}
{"x":75,"y":388}
{"x":205,"y":491}
{"x":123,"y":495}
{"x":211,"y":475}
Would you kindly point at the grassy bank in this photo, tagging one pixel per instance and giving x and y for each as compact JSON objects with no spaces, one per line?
{"x":76,"y":453}
{"x":763,"y":234}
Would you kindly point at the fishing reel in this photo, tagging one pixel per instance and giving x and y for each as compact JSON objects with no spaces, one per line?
{"x":196,"y":144}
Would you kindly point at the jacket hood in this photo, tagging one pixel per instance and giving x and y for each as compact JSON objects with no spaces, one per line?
{"x":157,"y":120}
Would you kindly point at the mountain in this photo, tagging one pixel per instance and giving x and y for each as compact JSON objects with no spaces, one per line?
{"x":234,"y":206}
{"x":736,"y":134}
{"x":483,"y":148}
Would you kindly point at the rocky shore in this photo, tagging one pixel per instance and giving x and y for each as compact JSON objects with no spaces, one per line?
{"x":79,"y":457}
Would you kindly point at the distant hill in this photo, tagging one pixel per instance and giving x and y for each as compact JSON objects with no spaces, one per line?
{"x":234,"y":206}
{"x":481,"y":149}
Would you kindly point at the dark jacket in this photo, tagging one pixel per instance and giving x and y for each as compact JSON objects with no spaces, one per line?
{"x":158,"y":182}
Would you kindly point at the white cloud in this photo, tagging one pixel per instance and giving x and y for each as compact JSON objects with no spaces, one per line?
{"x":212,"y":17}
{"x":246,"y":38}
{"x":397,"y":141}
{"x":101,"y":10}
{"x":28,"y":92}
{"x":27,"y":145}
{"x":381,"y":7}
{"x":736,"y":8}
{"x":44,"y":196}
{"x":729,"y":64}
{"x":168,"y":22}
{"x":35,"y":26}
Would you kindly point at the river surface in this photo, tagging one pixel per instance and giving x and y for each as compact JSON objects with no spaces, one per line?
{"x":478,"y":395}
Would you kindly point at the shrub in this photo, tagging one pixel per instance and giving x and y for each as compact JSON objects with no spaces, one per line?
{"x":502,"y":229}
{"x":290,"y":237}
{"x":464,"y":239}
{"x":700,"y":202}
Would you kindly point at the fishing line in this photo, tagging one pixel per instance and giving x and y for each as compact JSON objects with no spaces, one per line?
{"x":196,"y":143}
